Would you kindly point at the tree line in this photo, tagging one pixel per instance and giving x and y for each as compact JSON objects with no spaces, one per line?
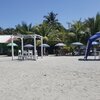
{"x":53,"y":31}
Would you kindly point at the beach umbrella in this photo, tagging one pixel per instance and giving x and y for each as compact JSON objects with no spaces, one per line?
{"x":77,"y":44}
{"x":28,"y":46}
{"x":10,"y":44}
{"x":45,"y":45}
{"x":60,"y":45}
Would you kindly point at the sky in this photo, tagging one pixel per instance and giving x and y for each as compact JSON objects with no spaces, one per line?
{"x":14,"y":12}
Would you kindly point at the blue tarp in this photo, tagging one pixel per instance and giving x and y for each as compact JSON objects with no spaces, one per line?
{"x":89,"y":44}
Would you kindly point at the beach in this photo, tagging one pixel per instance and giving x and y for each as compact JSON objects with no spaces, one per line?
{"x":50,"y":78}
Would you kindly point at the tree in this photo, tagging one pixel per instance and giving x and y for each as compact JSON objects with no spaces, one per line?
{"x":55,"y":31}
{"x":51,"y":18}
{"x":9,"y":31}
{"x":77,"y":28}
{"x":1,"y":30}
{"x":97,"y":23}
{"x":24,"y":28}
{"x":92,"y":25}
{"x":42,"y":30}
{"x":89,"y":25}
{"x":52,"y":22}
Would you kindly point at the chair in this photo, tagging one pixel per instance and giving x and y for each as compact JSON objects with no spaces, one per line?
{"x":30,"y":54}
{"x":19,"y":54}
{"x":25,"y":54}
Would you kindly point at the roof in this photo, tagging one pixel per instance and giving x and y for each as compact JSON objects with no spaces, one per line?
{"x":5,"y":38}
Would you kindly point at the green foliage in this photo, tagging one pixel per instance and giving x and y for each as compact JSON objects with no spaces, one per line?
{"x":9,"y":31}
{"x":97,"y":22}
{"x":66,"y":49}
{"x":53,"y":31}
{"x":45,"y":39}
{"x":41,"y":29}
{"x":77,"y":28}
{"x":24,"y":28}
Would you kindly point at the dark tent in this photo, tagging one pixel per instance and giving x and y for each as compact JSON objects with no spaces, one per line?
{"x":89,"y":44}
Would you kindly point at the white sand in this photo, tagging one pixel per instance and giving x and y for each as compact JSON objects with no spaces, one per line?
{"x":50,"y":78}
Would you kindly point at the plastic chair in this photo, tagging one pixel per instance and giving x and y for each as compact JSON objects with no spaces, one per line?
{"x":19,"y":54}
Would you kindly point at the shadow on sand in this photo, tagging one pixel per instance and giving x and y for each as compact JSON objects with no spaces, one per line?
{"x":89,"y":59}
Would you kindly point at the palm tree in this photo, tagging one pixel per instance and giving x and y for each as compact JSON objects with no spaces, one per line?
{"x":24,"y":28}
{"x":52,"y":21}
{"x":54,"y":37}
{"x":92,"y":25}
{"x":77,"y":28}
{"x":97,"y":22}
{"x":89,"y":25}
{"x":51,"y":18}
{"x":55,"y":30}
{"x":42,"y":30}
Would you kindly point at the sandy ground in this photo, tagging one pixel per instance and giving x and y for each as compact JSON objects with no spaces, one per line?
{"x":50,"y":78}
